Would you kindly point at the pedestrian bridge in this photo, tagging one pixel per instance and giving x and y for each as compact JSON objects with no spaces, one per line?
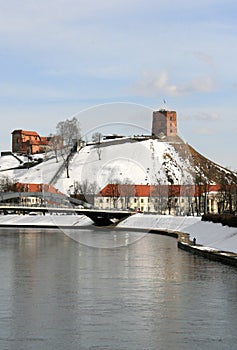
{"x":62,"y":205}
{"x":99,"y":217}
{"x":59,"y":198}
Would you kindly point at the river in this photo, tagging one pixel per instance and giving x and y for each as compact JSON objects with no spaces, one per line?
{"x":59,"y":294}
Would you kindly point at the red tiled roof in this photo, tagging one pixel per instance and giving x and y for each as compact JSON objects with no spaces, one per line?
{"x":117,"y":190}
{"x":31,"y":187}
{"x":25,"y":132}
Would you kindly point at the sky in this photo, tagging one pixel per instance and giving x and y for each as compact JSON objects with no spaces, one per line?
{"x":114,"y":62}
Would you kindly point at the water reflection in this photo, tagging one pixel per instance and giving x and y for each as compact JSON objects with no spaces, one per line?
{"x":56,"y":293}
{"x":104,"y":237}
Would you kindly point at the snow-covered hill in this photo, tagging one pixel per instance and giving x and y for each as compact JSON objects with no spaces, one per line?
{"x":128,"y":160}
{"x":144,"y":162}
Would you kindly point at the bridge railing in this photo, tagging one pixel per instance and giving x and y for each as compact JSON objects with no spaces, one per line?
{"x":34,"y":205}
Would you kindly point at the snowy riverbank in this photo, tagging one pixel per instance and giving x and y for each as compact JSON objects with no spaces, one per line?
{"x":209,"y":235}
{"x":44,"y":221}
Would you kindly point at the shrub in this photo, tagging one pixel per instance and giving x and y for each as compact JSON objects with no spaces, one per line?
{"x":224,"y":219}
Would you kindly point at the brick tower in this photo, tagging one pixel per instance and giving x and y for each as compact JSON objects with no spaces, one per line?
{"x":164,"y":123}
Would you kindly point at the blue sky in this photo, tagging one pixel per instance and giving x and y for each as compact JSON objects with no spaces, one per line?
{"x":60,"y":57}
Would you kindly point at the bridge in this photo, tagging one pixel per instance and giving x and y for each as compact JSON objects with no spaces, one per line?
{"x":99,"y":217}
{"x":63,"y":204}
{"x":59,"y":198}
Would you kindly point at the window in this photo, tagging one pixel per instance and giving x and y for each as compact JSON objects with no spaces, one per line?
{"x":135,"y":200}
{"x":142,"y":200}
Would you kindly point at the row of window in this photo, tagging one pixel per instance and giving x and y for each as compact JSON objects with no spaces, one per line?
{"x":141,"y":200}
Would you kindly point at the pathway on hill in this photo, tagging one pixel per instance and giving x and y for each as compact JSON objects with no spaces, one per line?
{"x":61,"y":168}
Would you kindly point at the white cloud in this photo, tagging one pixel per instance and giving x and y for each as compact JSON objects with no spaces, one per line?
{"x":203,"y":131}
{"x":211,"y":116}
{"x":153,"y":84}
{"x":202,"y":84}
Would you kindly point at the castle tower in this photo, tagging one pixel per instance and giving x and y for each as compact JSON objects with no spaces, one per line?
{"x":164,"y":123}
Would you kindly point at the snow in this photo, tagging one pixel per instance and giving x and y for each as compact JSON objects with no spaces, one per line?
{"x":162,"y":222}
{"x":131,"y":162}
{"x":47,"y":220}
{"x":215,"y":236}
{"x":40,"y":173}
{"x":211,"y":236}
{"x":8,"y":162}
{"x":123,"y":161}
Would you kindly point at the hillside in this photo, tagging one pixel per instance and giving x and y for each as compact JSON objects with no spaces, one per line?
{"x":127,"y":160}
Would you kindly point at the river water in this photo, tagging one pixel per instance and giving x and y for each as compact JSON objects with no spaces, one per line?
{"x":59,"y":294}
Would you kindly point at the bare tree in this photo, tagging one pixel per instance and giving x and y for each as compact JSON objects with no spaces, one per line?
{"x":226,"y":197}
{"x":85,"y":191}
{"x":160,"y":192}
{"x":114,"y":192}
{"x":200,"y":202}
{"x":6,"y":184}
{"x":96,"y":138}
{"x":55,"y":145}
{"x":127,"y":190}
{"x":93,"y":190}
{"x":69,"y":132}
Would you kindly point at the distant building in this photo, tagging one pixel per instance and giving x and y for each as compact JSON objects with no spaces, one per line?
{"x":28,"y":142}
{"x":164,"y":123}
{"x":161,"y":199}
{"x":35,"y":188}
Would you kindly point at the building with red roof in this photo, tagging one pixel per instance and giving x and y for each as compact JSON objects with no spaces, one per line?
{"x":163,"y":199}
{"x":28,"y":142}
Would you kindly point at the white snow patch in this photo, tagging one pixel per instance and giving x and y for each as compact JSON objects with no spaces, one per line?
{"x":47,"y":220}
{"x":162,"y":222}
